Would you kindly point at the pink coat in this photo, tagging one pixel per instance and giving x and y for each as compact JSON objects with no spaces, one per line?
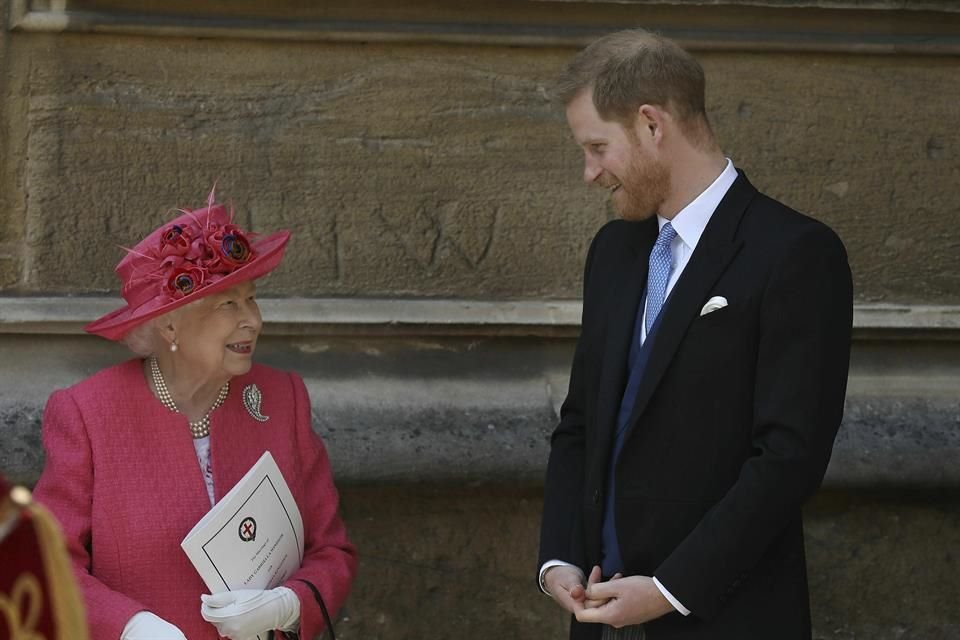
{"x":122,"y":476}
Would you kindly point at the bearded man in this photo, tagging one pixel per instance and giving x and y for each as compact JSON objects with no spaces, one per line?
{"x":708,"y":382}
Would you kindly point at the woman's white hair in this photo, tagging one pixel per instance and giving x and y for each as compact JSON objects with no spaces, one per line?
{"x":144,"y":339}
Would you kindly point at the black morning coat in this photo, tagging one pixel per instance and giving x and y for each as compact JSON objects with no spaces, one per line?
{"x":733,"y":424}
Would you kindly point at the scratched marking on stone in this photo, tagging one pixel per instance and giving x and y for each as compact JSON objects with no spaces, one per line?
{"x":437,"y":230}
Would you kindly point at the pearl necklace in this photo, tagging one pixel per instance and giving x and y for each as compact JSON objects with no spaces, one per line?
{"x":200,"y":428}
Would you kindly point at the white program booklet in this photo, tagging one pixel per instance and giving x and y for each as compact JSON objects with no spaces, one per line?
{"x":253,"y":537}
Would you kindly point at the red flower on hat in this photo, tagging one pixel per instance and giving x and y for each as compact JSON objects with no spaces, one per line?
{"x":235,"y":248}
{"x":184,"y":280}
{"x":197,"y":250}
{"x":175,"y":241}
{"x":227,"y":248}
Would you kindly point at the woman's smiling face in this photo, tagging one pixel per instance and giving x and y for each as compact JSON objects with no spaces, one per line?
{"x":217,"y":335}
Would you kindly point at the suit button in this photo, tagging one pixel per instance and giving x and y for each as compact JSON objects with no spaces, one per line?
{"x":596,"y":496}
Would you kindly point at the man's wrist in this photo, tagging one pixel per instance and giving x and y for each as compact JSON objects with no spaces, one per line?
{"x":676,"y":604}
{"x":550,"y":564}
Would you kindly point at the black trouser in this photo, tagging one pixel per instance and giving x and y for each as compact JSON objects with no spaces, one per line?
{"x":634,"y":632}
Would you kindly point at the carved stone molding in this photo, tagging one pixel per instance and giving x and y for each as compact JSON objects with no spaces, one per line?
{"x":396,"y":317}
{"x":865,"y":27}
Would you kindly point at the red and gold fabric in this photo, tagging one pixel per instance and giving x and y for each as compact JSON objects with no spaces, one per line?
{"x":38,"y":595}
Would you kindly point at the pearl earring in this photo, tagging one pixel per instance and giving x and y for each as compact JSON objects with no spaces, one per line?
{"x":173,"y":347}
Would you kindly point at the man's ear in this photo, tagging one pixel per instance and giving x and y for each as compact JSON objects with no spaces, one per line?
{"x":650,"y":121}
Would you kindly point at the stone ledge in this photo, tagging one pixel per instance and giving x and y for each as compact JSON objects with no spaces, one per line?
{"x":328,"y":316}
{"x":383,"y":432}
{"x":888,"y":5}
{"x":851,"y":26}
{"x":364,"y":316}
{"x":465,"y":393}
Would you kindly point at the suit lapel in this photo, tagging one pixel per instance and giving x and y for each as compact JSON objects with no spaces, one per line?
{"x":622,"y":306}
{"x":716,"y":248}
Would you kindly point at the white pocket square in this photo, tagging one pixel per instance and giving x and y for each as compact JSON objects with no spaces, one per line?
{"x":714,"y":303}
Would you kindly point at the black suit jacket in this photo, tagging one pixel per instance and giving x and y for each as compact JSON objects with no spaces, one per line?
{"x":733,"y":424}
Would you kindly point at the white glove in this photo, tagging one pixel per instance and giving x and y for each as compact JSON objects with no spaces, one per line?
{"x":147,"y":626}
{"x":246,"y":613}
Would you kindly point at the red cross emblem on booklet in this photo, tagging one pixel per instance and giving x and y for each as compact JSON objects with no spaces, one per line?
{"x":248,"y":529}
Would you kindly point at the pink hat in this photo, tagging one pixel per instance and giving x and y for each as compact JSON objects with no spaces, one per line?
{"x":195,"y":255}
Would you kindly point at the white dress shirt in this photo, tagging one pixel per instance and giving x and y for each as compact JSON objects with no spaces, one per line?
{"x":689,"y":224}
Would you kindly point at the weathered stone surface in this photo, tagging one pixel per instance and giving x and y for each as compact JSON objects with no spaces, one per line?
{"x":436,"y":563}
{"x":21,"y":452}
{"x":884,"y":567}
{"x":440,"y":170}
{"x":13,"y":136}
{"x":466,"y":412}
{"x":864,"y":25}
{"x":916,"y":5}
{"x":816,"y":132}
{"x":9,"y":271}
{"x":442,"y":192}
{"x":887,"y":443}
{"x":881,"y":445}
{"x":454,"y":564}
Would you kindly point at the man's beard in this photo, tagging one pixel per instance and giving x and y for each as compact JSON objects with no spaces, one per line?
{"x":645,"y":187}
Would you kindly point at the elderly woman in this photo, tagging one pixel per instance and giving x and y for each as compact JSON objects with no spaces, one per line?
{"x":137,"y":454}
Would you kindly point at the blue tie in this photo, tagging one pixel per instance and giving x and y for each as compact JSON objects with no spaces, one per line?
{"x":658,"y":275}
{"x":660,"y":267}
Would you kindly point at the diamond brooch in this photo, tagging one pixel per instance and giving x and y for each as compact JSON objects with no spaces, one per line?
{"x":251,"y":401}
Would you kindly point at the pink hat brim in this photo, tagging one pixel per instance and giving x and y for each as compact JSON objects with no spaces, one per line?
{"x":117,"y":324}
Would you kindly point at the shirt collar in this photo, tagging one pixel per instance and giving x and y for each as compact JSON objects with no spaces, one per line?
{"x":690,"y":222}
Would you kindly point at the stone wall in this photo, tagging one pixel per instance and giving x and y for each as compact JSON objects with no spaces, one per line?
{"x":413,"y":151}
{"x":408,"y":169}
